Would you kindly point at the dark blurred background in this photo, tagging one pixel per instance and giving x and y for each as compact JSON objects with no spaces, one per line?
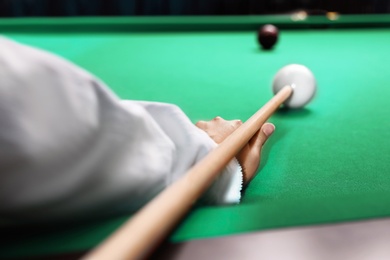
{"x":17,"y":8}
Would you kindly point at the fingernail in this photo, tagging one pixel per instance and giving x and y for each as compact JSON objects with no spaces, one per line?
{"x":268,"y":129}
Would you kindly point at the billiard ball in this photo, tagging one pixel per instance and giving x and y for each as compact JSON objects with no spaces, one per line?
{"x":301,"y":79}
{"x":267,"y":36}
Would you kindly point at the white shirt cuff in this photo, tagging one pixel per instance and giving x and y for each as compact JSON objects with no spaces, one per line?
{"x":226,"y":189}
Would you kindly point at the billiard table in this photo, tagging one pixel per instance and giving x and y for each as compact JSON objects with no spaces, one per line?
{"x":326,"y":163}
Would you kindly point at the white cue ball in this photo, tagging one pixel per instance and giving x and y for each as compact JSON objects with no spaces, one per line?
{"x":301,"y":79}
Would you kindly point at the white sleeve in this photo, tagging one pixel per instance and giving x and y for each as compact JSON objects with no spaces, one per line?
{"x":69,"y":147}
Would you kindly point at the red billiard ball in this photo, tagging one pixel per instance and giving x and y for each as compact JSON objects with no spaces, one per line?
{"x":267,"y":36}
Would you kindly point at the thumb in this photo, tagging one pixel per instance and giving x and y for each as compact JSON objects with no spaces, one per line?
{"x":262,"y":136}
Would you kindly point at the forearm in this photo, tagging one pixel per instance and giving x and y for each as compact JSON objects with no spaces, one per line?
{"x":70,"y":147}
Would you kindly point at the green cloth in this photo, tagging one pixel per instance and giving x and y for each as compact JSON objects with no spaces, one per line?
{"x":328,"y":162}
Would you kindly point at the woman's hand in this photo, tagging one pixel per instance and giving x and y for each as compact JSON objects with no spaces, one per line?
{"x":249,"y":156}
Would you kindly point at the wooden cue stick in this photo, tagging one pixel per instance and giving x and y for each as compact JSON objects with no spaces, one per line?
{"x":148,"y":227}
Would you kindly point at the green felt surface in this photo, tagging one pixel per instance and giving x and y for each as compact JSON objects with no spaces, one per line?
{"x":325,"y":163}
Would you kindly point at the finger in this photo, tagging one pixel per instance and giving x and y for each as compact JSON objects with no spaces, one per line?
{"x":202,"y":125}
{"x":236,"y":123}
{"x":262,"y":136}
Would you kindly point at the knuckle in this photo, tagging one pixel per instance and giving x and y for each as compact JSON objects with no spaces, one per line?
{"x":237,"y":122}
{"x":200,"y":123}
